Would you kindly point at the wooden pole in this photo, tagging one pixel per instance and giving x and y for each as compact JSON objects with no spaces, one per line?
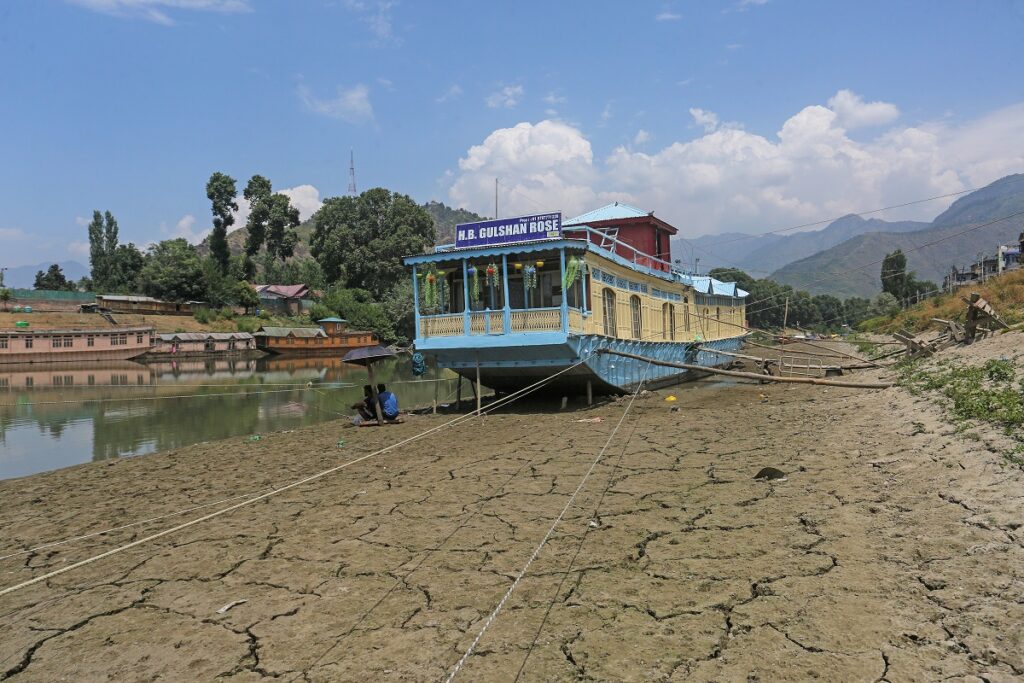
{"x":458,"y":394}
{"x":373,"y":394}
{"x":751,"y":375}
{"x":590,"y":393}
{"x":478,"y":392}
{"x":437,"y":383}
{"x":785,"y":319}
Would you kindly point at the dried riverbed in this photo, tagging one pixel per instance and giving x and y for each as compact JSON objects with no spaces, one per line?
{"x":893,"y":551}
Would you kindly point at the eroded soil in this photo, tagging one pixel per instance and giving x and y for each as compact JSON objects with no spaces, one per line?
{"x":892,"y":551}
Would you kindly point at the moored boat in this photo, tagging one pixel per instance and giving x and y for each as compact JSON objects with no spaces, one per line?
{"x":48,"y":346}
{"x":332,"y":338}
{"x":524,"y":298}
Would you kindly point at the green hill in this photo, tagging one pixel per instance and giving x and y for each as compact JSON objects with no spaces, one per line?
{"x":850,"y":268}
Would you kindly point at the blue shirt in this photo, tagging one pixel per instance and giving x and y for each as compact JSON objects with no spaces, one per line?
{"x":388,"y":404}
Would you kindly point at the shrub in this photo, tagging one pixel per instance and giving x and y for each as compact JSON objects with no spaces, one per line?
{"x":202,"y":315}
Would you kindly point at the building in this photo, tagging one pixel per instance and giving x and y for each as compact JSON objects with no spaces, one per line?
{"x":332,"y":338}
{"x":180,"y":344}
{"x":284,"y":299}
{"x":1009,"y":256}
{"x":47,"y":346}
{"x":145,"y":305}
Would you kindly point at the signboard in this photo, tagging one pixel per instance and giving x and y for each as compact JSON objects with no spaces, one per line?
{"x":504,"y":230}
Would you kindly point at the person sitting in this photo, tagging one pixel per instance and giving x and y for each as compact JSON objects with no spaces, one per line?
{"x":365,"y":407}
{"x":388,"y":403}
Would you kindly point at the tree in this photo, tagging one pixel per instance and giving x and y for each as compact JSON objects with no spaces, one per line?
{"x":246,"y":296}
{"x":102,"y":247}
{"x":361,"y":310}
{"x":242,"y":267}
{"x":885,"y":304}
{"x":173,"y":271}
{"x":5,"y":296}
{"x":894,"y":274}
{"x":272,"y":221}
{"x":53,"y":279}
{"x":125,"y":264}
{"x":256,"y":192}
{"x":359,"y":241}
{"x":221,"y":192}
{"x":856,"y":309}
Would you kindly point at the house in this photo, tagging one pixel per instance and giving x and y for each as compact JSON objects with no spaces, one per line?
{"x":284,"y":299}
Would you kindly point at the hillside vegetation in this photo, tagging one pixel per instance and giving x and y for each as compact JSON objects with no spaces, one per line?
{"x":1006,"y":294}
{"x":843,"y":270}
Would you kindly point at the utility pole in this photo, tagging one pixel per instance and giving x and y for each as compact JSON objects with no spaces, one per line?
{"x":495,"y":197}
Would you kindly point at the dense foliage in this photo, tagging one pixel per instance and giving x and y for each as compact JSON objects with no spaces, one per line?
{"x":898,"y":282}
{"x":173,"y":271}
{"x":53,"y":279}
{"x":360,"y":241}
{"x":446,"y":218}
{"x":221,"y":192}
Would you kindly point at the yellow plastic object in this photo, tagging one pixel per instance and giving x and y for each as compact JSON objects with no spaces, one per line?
{"x":670,"y":398}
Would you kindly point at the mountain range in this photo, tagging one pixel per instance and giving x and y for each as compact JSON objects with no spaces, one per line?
{"x":23,"y":277}
{"x":840,"y":259}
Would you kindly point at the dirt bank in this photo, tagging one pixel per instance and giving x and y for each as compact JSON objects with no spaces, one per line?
{"x":892,"y":551}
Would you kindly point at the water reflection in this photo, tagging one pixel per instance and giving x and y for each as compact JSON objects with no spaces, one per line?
{"x":58,"y":415}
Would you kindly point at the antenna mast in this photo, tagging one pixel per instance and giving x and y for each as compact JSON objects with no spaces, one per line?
{"x":352,"y":173}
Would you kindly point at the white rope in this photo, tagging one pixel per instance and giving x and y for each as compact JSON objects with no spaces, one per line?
{"x":543,"y":541}
{"x":313,"y":477}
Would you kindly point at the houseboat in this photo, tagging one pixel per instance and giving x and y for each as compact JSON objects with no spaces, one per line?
{"x":180,"y":344}
{"x":521,"y":299}
{"x":332,"y":338}
{"x":49,"y":346}
{"x":144,"y":305}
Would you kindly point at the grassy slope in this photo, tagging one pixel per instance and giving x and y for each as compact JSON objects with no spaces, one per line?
{"x":1006,"y":294}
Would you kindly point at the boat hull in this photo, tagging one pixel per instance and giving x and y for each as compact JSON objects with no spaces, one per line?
{"x":506,"y":367}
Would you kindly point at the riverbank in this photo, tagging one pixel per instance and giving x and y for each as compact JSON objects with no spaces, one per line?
{"x":892,"y":551}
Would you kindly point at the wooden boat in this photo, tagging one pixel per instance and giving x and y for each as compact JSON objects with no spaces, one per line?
{"x":543,"y":296}
{"x":332,"y":338}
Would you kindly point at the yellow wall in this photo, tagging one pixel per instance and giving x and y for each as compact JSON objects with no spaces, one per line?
{"x":725,"y":315}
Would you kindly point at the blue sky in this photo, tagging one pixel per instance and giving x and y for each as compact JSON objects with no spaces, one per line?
{"x":719,"y":116}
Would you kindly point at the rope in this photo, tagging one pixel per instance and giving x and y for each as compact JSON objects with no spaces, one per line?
{"x":305,"y":480}
{"x":543,"y":541}
{"x":579,"y":546}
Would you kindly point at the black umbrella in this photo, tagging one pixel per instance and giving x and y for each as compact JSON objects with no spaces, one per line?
{"x":367,"y":356}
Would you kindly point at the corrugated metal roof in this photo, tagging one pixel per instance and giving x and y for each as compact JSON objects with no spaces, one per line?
{"x":304,"y":332}
{"x":129,"y":298}
{"x":607,"y":213}
{"x":332,"y":319}
{"x":203,"y":336}
{"x":284,"y":291}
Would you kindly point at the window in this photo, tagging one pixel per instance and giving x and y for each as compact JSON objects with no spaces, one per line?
{"x":608,"y":311}
{"x":671,"y":321}
{"x":69,"y":342}
{"x":686,"y":313}
{"x":138,"y":338}
{"x":28,"y":342}
{"x":90,"y":340}
{"x":3,"y":342}
{"x":636,"y":316}
{"x":55,"y":341}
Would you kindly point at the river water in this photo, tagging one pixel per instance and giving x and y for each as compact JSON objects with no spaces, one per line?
{"x":56,"y":415}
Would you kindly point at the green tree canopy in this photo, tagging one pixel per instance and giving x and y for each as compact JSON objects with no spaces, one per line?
{"x":124,"y":267}
{"x":272,"y":220}
{"x":173,"y":271}
{"x":221,"y":192}
{"x":53,"y":279}
{"x":359,"y":241}
{"x":895,"y":279}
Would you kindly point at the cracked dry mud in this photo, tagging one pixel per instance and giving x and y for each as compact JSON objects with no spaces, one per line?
{"x":892,"y":552}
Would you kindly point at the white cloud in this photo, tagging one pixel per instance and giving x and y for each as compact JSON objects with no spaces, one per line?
{"x":386,"y":83}
{"x":707,"y":120}
{"x":79,"y":249}
{"x":668,"y":16}
{"x":454,"y":91}
{"x":508,"y":97}
{"x":376,"y":15}
{"x":351,"y":105}
{"x":185,"y":228}
{"x":853,"y":112}
{"x":82,"y":221}
{"x":731,"y":179}
{"x":606,"y":114}
{"x":641,"y":137}
{"x":305,"y":198}
{"x":12,"y":234}
{"x":554,"y":98}
{"x":157,"y":10}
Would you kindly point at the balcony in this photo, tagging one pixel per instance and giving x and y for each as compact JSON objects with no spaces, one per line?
{"x":477,"y":323}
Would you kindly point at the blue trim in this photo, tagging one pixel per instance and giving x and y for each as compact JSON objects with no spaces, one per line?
{"x":507,"y":309}
{"x":416,"y":300}
{"x":522,"y":248}
{"x":465,"y":298}
{"x":564,"y":312}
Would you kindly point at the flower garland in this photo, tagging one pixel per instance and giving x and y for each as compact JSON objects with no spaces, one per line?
{"x":492,"y":274}
{"x":474,"y":283}
{"x":530,"y":277}
{"x":574,"y":270}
